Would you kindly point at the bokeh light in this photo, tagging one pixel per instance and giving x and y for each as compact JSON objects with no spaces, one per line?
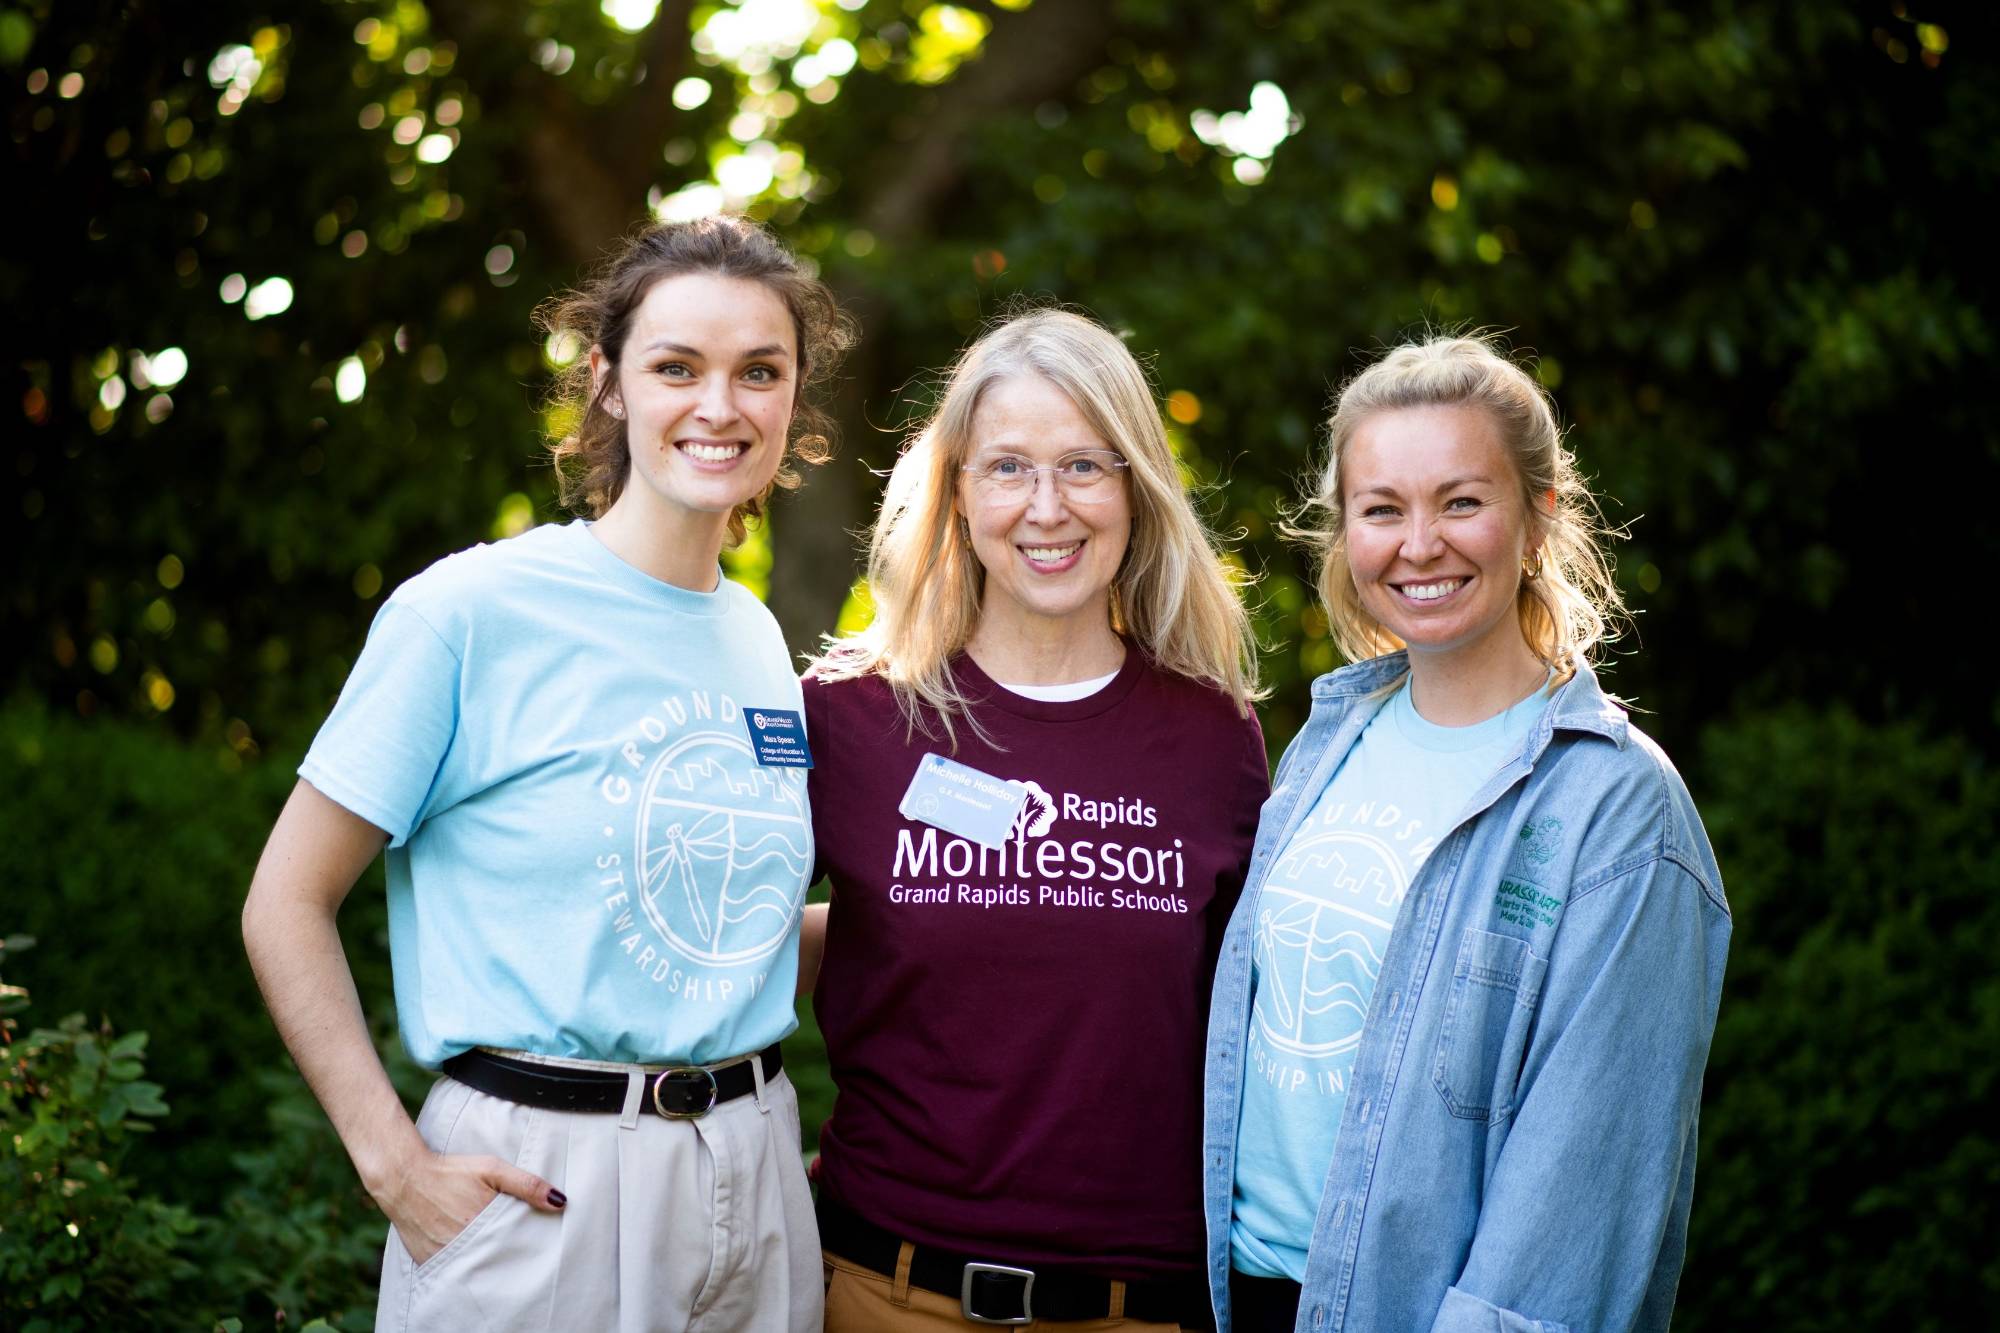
{"x":757,"y":32}
{"x":273,"y":296}
{"x":744,"y":175}
{"x":351,"y":380}
{"x":700,"y":200}
{"x":1255,"y":133}
{"x":631,"y":15}
{"x":166,"y":367}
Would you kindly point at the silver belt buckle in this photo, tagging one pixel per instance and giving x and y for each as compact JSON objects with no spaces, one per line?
{"x":682,"y":1071}
{"x":1027,"y":1315}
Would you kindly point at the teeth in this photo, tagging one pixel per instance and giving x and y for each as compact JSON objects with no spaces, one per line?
{"x":1430,"y":592}
{"x":1051,"y":555}
{"x":713,"y":453}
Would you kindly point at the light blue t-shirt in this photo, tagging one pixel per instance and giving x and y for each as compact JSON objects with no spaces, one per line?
{"x":585,"y":858}
{"x":1322,"y":927}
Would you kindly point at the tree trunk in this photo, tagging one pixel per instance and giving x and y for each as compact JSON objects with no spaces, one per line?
{"x":1028,"y":58}
{"x":587,"y":169}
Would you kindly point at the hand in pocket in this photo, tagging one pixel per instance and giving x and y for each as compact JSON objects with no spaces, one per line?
{"x":437,"y":1195}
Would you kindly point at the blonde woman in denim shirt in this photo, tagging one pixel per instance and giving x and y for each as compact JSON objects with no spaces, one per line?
{"x":1463,"y":1008}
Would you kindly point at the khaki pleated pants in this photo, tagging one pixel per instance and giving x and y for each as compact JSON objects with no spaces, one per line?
{"x":672,"y":1226}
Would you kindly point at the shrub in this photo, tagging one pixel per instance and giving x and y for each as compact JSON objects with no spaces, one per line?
{"x":133,"y":848}
{"x":1849,"y":1156}
{"x":131,"y":851}
{"x":296,"y":1234}
{"x":80,"y":1249}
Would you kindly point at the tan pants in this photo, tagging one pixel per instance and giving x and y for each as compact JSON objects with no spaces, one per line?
{"x":860,"y":1300}
{"x":679,"y":1226}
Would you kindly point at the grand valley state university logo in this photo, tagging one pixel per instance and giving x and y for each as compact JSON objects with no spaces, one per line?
{"x":720,"y":847}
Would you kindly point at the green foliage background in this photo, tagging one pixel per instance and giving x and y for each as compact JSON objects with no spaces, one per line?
{"x":1742,"y":239}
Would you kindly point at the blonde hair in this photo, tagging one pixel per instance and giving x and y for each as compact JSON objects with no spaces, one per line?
{"x":1173,"y":594}
{"x":1572,"y":605}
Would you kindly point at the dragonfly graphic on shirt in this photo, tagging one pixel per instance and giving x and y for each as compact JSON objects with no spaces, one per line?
{"x":724,"y":848}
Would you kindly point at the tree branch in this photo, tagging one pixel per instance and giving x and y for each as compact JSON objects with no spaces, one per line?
{"x":649,"y":113}
{"x":1028,"y":58}
{"x":587,"y":194}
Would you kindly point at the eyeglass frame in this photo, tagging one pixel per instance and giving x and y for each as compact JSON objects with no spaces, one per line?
{"x":1110,"y":460}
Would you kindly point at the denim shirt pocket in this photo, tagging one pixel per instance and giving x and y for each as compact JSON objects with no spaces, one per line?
{"x":1494,"y":988}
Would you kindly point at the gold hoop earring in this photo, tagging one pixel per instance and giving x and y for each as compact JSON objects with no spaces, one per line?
{"x":1531,"y":572}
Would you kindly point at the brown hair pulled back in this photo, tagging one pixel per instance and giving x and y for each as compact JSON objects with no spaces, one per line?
{"x":593,"y":461}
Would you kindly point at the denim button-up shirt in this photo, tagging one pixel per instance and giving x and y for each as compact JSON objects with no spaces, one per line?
{"x":1517,"y":1151}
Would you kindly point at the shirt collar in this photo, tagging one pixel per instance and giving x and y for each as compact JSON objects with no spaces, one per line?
{"x":1580,"y":702}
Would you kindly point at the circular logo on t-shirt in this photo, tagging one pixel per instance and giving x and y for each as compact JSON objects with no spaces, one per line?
{"x":723,"y":845}
{"x":1329,"y":900}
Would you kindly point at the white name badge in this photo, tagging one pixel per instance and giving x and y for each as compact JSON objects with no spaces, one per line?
{"x":963,"y":801}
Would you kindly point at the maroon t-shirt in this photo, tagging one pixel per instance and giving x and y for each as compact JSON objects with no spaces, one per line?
{"x":1017,"y":1036}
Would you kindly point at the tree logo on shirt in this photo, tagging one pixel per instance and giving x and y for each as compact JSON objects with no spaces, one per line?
{"x":1037,"y":812}
{"x":723,"y":849}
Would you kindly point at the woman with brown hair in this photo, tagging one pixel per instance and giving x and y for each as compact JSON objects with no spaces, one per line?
{"x":595,"y":859}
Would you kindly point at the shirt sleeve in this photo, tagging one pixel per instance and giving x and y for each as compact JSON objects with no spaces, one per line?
{"x":1252,"y":781}
{"x":819,"y":740}
{"x":1600,"y":1154}
{"x":379,"y":753}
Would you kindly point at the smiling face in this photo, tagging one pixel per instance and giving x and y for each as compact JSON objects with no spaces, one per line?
{"x":1047,"y":556}
{"x":705,"y":384}
{"x":1437,"y":530}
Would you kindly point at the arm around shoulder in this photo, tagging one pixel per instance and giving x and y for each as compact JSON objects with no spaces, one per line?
{"x":812,"y":945}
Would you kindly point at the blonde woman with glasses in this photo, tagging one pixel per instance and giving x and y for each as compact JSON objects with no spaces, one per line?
{"x":1037,"y":780}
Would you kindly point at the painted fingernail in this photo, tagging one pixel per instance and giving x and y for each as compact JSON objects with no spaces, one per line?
{"x":557,"y":1198}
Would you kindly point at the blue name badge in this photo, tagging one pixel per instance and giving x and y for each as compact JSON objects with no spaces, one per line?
{"x":963,"y":801}
{"x":778,"y":737}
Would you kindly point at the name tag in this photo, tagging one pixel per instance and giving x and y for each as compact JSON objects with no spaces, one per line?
{"x":778,"y":737}
{"x":963,"y":801}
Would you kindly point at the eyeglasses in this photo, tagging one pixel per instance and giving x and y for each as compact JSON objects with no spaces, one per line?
{"x":1084,"y":477}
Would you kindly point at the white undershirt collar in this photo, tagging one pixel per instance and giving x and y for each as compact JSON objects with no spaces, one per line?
{"x":1067,"y":692}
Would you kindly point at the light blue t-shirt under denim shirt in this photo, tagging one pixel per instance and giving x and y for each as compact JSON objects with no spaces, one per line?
{"x":1517,"y":1151}
{"x":585,"y":859}
{"x":1322,"y":928}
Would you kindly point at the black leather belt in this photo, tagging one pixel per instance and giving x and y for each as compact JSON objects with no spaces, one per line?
{"x":1262,"y":1304}
{"x":996,"y":1293}
{"x":680,"y":1093}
